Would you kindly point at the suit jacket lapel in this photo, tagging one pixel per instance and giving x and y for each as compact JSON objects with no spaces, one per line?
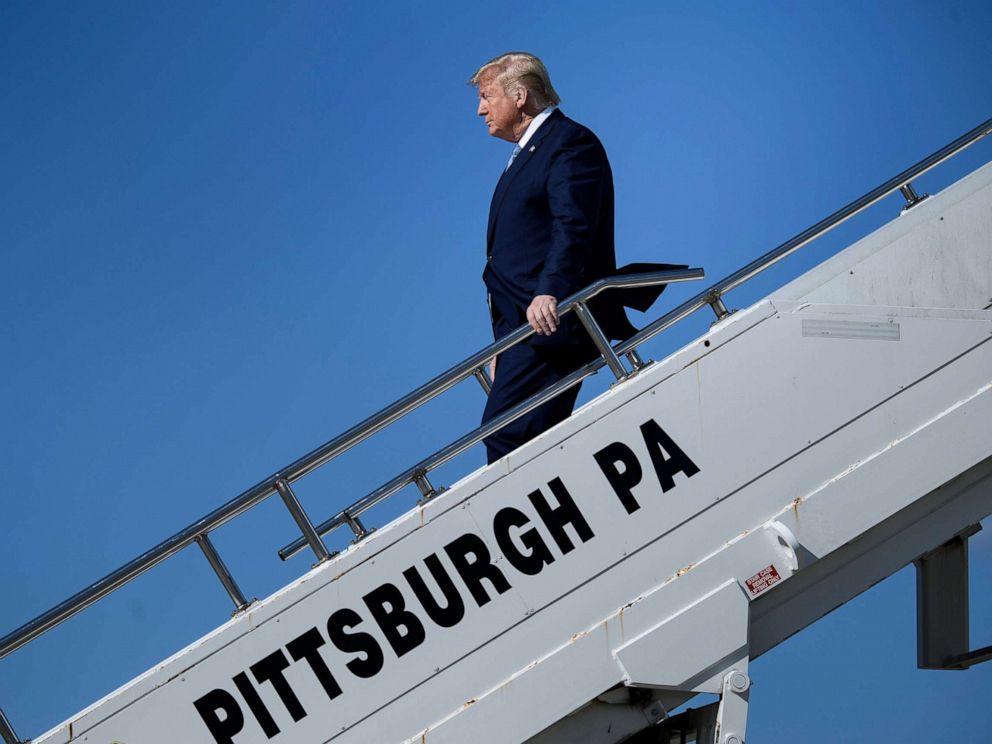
{"x":503,"y":185}
{"x":493,"y":207}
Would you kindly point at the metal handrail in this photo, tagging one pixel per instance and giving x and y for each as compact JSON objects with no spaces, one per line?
{"x":711,"y":296}
{"x":306,"y":464}
{"x":844,"y":213}
{"x":472,"y":366}
{"x":445,"y":454}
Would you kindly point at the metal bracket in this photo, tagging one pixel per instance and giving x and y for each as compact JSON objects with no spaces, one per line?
{"x":655,"y":712}
{"x":722,"y":722}
{"x":731,"y":716}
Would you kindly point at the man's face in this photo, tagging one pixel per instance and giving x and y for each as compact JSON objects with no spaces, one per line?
{"x":502,"y":113}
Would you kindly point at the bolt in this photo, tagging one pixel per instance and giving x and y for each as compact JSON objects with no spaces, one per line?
{"x":733,"y":739}
{"x":739,"y":682}
{"x":655,"y":712}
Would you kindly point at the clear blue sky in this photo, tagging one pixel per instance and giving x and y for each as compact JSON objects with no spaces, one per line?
{"x":228,"y":231}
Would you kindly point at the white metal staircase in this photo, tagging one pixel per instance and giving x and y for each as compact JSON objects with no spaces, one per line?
{"x":697,"y":514}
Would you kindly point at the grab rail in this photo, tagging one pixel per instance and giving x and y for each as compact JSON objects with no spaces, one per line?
{"x":279,"y":482}
{"x":198,"y":531}
{"x":712,"y":296}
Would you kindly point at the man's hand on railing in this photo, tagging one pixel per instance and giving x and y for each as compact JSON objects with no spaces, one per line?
{"x":492,"y":369}
{"x":543,"y":315}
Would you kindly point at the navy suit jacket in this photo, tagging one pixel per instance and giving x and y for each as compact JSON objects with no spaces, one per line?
{"x":551,"y":231}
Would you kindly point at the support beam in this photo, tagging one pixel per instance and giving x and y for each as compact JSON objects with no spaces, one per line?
{"x":942,"y":632}
{"x":731,"y":716}
{"x":7,"y":731}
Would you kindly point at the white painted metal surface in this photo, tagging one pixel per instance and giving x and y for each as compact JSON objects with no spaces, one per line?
{"x":670,"y":531}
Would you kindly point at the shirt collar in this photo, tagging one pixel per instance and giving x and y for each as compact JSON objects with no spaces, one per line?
{"x":535,"y":123}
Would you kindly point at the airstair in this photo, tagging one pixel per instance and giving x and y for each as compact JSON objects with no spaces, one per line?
{"x":698,"y":513}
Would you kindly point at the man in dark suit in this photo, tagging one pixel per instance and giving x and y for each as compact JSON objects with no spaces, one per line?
{"x":550,"y":234}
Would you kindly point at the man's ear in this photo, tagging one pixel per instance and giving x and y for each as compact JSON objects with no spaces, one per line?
{"x":520,"y":97}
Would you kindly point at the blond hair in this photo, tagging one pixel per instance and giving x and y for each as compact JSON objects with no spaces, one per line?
{"x":516,"y":70}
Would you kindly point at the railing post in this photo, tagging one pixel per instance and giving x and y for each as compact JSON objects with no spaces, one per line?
{"x":910,"y":195}
{"x":217,"y":564}
{"x":302,"y":520}
{"x":600,"y":341}
{"x":356,"y":526}
{"x":427,"y":491}
{"x":636,"y":363}
{"x":483,"y":378}
{"x":715,"y":301}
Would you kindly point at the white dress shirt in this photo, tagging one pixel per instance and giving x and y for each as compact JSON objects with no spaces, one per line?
{"x":535,"y":123}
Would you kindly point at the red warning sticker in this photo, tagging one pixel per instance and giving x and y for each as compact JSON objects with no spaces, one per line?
{"x":762,"y":580}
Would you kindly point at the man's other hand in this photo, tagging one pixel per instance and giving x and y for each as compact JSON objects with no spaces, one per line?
{"x":543,"y":315}
{"x":492,"y":369}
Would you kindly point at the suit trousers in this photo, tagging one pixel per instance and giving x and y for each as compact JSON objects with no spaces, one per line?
{"x":522,"y":371}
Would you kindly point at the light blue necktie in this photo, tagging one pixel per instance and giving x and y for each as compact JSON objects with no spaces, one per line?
{"x":516,"y":151}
